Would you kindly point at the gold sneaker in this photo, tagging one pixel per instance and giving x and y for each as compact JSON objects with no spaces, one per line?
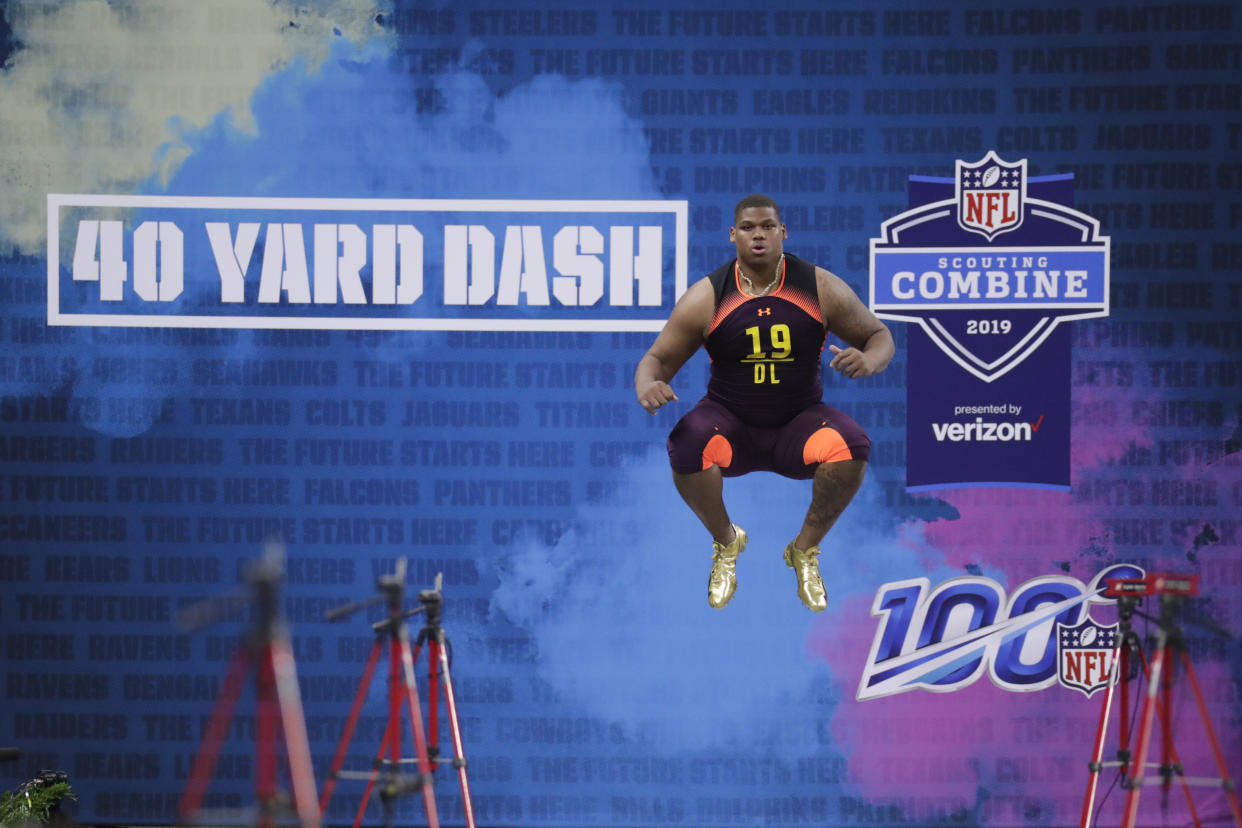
{"x":810,"y":585}
{"x":723,"y":580}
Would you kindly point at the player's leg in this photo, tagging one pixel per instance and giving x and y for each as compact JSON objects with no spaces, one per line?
{"x":826,"y":445}
{"x":835,"y":484}
{"x":700,"y":448}
{"x":703,"y":492}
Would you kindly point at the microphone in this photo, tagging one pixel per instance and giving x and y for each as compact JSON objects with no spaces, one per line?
{"x":8,"y":754}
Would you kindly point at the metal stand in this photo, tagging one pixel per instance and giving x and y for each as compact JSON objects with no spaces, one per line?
{"x":432,"y":634}
{"x":1169,"y":649}
{"x":401,"y":687}
{"x":1127,"y":658}
{"x":279,"y":709}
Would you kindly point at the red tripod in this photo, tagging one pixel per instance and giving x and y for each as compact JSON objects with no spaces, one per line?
{"x":432,"y":634}
{"x":1169,"y":649}
{"x":279,"y":709}
{"x":401,"y":687}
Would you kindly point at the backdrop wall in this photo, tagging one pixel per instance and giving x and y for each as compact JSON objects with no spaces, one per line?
{"x":142,"y":468}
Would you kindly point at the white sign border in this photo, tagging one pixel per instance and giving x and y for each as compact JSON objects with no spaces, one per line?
{"x":55,"y":201}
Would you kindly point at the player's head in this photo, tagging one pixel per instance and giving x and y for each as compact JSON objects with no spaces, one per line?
{"x":757,"y":232}
{"x":755,"y":200}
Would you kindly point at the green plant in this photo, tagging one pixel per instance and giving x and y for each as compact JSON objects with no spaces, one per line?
{"x":36,"y":801}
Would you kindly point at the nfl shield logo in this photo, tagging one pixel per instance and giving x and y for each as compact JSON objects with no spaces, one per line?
{"x":990,"y":195}
{"x":1085,"y":655}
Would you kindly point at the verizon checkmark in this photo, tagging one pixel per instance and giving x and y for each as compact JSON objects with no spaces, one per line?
{"x":1035,"y":425}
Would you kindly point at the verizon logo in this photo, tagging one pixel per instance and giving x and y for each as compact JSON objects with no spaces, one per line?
{"x":983,"y":432}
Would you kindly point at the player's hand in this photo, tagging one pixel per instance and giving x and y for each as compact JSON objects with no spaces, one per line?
{"x":851,"y":362}
{"x":655,"y":394}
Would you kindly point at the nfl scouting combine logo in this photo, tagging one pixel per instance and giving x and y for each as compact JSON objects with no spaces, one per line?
{"x":946,"y":638}
{"x":987,"y":264}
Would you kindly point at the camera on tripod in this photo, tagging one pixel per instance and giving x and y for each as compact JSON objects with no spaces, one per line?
{"x":385,"y":770}
{"x":1153,"y":584}
{"x":1169,"y":660}
{"x":45,"y":778}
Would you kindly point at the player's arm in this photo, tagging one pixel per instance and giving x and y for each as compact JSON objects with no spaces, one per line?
{"x":683,"y":334}
{"x":871,"y":343}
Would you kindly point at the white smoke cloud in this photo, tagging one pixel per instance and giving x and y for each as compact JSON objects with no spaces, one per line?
{"x":99,"y":94}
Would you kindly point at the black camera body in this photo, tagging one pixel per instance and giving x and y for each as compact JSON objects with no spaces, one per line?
{"x":48,"y":777}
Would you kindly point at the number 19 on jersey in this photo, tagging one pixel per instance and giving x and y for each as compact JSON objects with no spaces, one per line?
{"x":765,"y":362}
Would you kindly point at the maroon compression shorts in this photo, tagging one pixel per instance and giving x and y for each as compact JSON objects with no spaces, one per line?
{"x":710,"y":435}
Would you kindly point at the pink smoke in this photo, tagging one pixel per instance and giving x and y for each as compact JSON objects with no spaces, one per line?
{"x":1021,"y":758}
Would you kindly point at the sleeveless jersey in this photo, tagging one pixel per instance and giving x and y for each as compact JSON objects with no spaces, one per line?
{"x":765,"y":350}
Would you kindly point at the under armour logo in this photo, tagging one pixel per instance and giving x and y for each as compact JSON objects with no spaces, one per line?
{"x":765,"y":311}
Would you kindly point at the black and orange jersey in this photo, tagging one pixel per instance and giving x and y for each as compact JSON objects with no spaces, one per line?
{"x":765,"y":350}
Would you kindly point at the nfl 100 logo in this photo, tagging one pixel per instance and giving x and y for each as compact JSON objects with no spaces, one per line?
{"x":946,"y":637}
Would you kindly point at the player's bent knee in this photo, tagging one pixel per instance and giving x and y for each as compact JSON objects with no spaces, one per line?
{"x":717,"y":452}
{"x":688,"y":453}
{"x":845,"y":470}
{"x":826,"y":445}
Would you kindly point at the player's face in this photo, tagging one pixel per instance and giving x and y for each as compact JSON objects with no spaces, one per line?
{"x":759,"y":236}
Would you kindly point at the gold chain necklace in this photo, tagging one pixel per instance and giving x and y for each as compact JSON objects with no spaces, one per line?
{"x":751,"y":285}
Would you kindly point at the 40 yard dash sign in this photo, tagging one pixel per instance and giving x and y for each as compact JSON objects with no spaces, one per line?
{"x":377,"y":264}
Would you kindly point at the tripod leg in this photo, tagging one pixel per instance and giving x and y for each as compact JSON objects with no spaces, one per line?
{"x":350,"y":723}
{"x":265,"y":740}
{"x":459,"y":752}
{"x":293,"y":723}
{"x":1231,"y":794}
{"x":213,"y":737}
{"x":1146,"y":718}
{"x":395,"y":692}
{"x":1166,"y":726}
{"x":416,"y":725}
{"x":1170,"y":762}
{"x":1123,"y":726}
{"x":379,"y":758}
{"x":433,"y":700}
{"x":1097,"y":751}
